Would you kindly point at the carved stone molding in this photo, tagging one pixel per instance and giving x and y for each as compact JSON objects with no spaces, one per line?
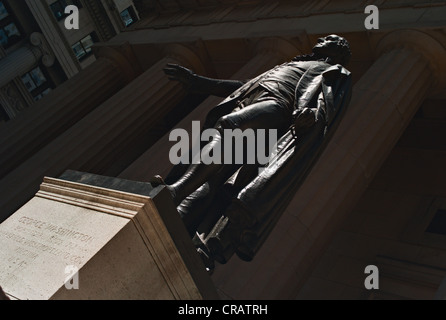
{"x":56,"y":40}
{"x":38,"y":40}
{"x":12,"y":102}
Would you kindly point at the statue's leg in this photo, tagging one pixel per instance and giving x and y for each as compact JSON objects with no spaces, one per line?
{"x":195,"y":209}
{"x":267,"y":114}
{"x":197,"y":174}
{"x":180,"y":169}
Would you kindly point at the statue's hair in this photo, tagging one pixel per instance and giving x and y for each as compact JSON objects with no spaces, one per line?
{"x":344,"y":55}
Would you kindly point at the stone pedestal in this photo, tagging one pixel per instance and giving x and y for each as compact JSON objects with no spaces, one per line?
{"x":100,"y":238}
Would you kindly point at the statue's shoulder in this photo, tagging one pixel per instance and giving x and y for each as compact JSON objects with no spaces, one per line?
{"x":307,"y":64}
{"x":339,"y":68}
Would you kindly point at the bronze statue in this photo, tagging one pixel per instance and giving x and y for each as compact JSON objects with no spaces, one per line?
{"x":231,"y":209}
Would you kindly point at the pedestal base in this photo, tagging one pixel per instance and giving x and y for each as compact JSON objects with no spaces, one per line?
{"x":90,"y":237}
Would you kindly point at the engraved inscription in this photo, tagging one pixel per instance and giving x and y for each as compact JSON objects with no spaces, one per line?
{"x":33,"y":237}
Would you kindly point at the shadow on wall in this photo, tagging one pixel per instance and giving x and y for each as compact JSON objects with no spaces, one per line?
{"x":3,"y":295}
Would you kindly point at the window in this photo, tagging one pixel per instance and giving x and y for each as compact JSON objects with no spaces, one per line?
{"x":3,"y":12}
{"x":128,"y":16}
{"x":9,"y":35}
{"x":41,"y":95}
{"x":37,"y":84}
{"x":9,"y":29}
{"x":59,"y":6}
{"x":83,"y":48}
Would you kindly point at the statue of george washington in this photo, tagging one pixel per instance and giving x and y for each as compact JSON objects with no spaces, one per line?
{"x":231,"y":209}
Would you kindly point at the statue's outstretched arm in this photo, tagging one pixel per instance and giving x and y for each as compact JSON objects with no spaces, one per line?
{"x":198,"y":84}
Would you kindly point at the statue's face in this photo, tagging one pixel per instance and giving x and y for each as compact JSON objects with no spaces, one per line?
{"x":328,"y":46}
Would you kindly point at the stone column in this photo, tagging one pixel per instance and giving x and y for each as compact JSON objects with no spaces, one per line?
{"x":14,"y":95}
{"x":18,"y":63}
{"x":268,"y":53}
{"x":103,"y":141}
{"x":38,"y":125}
{"x":384,"y":101}
{"x":51,"y":30}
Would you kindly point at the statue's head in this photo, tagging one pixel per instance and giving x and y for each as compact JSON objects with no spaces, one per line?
{"x":333,"y":48}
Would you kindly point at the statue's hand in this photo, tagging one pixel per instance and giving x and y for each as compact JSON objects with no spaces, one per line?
{"x":305,"y":119}
{"x":181,"y":74}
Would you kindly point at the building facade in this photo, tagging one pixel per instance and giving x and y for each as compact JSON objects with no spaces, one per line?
{"x":375,"y":197}
{"x":39,"y":52}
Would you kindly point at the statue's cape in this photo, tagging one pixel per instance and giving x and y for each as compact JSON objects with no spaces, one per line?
{"x":264,"y":196}
{"x":230,"y":103}
{"x":306,"y":90}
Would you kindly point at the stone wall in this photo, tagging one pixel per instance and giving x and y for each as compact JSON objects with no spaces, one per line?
{"x":388,"y":226}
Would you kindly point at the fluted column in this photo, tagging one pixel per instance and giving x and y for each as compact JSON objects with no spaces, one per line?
{"x":104,"y":139}
{"x":268,"y":53}
{"x":18,"y":63}
{"x":36,"y":126}
{"x":384,"y":101}
{"x":15,"y":97}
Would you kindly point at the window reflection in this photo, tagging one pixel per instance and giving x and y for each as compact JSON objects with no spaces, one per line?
{"x":9,"y":30}
{"x":128,"y":16}
{"x":3,"y":12}
{"x":83,"y":48}
{"x":37,"y":84}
